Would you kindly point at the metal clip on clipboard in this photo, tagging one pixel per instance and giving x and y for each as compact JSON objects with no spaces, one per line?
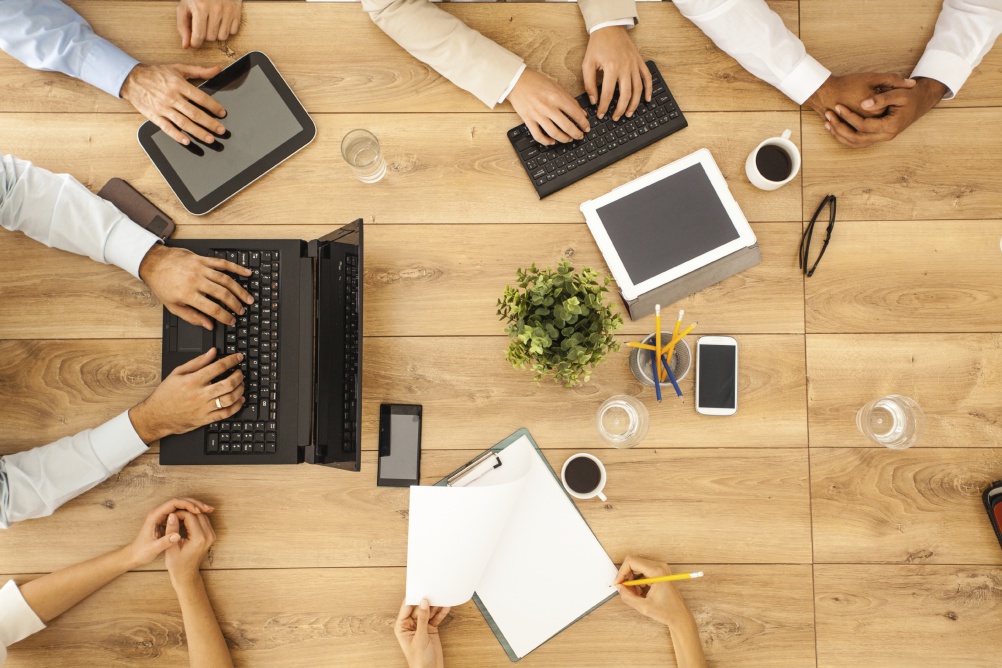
{"x":475,"y":470}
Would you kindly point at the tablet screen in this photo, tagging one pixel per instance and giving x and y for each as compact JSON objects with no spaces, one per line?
{"x":667,"y":223}
{"x":257,"y":121}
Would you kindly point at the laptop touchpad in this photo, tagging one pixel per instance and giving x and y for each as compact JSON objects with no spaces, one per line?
{"x":189,"y":337}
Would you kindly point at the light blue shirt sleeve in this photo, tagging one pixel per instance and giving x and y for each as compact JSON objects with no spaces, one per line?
{"x":48,"y":35}
{"x":58,"y":211}
{"x":35,"y":482}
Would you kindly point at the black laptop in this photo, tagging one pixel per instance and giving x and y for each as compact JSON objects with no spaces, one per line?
{"x":302,"y":346}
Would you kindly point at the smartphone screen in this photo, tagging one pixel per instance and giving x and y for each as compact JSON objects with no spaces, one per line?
{"x":717,"y":382}
{"x":399,"y":445}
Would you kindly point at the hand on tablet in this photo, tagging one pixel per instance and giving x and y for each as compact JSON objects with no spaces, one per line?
{"x":548,"y":110}
{"x":201,"y":21}
{"x":184,"y":282}
{"x":162,"y":94}
{"x":416,"y":629}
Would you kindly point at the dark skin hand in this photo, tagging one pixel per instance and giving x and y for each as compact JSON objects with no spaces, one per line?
{"x":852,"y":89}
{"x":901,"y":107}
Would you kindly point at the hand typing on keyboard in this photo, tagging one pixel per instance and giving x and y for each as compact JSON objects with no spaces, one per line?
{"x":195,"y":288}
{"x":611,"y":51}
{"x":191,"y":397}
{"x":549,"y":111}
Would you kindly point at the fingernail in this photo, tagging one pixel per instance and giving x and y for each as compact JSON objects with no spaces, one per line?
{"x":591,"y":99}
{"x":242,"y":311}
{"x":838,"y":110}
{"x":240,"y":356}
{"x":910,"y":80}
{"x":220,"y":129}
{"x":172,"y":518}
{"x":828,"y":116}
{"x":249,"y":299}
{"x":867,"y":103}
{"x":223,"y":115}
{"x":629,"y":114}
{"x":828,"y":127}
{"x":174,"y":538}
{"x":210,"y":507}
{"x":233,"y":321}
{"x":185,"y":141}
{"x":424,"y":604}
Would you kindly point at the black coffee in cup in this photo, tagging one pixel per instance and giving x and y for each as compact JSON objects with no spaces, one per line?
{"x":582,"y":475}
{"x":773,"y":163}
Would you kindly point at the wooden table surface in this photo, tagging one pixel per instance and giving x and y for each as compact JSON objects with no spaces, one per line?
{"x":819,"y":549}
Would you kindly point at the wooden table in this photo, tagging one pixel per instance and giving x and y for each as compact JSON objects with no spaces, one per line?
{"x":819,"y":549}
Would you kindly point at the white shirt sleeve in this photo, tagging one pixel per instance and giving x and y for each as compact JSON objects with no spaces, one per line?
{"x":627,"y":23}
{"x":58,"y":211}
{"x":48,"y":35}
{"x":511,"y":86}
{"x":17,"y":619}
{"x":965,"y":32}
{"x":754,"y":35}
{"x":35,"y":482}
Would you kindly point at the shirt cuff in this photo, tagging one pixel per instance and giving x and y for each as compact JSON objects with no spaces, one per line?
{"x":106,"y":67}
{"x":128,"y":244}
{"x":17,"y":619}
{"x":805,"y":78}
{"x":628,"y":22}
{"x":116,"y":442}
{"x":947,"y":68}
{"x":511,"y":86}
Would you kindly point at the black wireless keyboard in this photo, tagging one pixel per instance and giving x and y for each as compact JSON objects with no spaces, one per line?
{"x":551,"y":168}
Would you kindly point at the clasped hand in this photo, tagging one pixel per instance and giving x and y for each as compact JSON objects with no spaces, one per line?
{"x":863,"y":109}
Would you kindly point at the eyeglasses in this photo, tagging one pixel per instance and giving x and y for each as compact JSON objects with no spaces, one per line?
{"x":805,"y":241}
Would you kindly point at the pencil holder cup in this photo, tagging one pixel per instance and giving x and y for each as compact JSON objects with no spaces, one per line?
{"x":680,"y":362}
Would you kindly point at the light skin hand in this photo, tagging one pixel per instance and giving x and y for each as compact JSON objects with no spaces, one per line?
{"x":148,"y":543}
{"x":850,"y":91}
{"x":184,"y":556}
{"x":200,"y":21}
{"x":549,"y":111}
{"x":162,"y":94}
{"x":184,"y":283}
{"x":611,"y":51}
{"x":416,"y":629}
{"x":186,"y":399}
{"x":901,"y":107}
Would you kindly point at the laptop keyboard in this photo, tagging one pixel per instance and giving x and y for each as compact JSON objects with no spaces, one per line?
{"x":350,"y":349}
{"x":255,"y":334}
{"x":551,"y":168}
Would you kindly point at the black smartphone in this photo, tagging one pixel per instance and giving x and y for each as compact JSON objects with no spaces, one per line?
{"x":399,"y":445}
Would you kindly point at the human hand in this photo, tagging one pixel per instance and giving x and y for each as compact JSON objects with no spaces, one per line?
{"x":201,"y":21}
{"x":613,"y":52}
{"x":548,"y":110}
{"x":850,"y":91}
{"x":416,"y":629}
{"x":184,"y":282}
{"x":162,"y":94}
{"x":184,"y":557}
{"x":149,"y":543}
{"x":187,"y":398}
{"x":901,"y":107}
{"x":660,"y":601}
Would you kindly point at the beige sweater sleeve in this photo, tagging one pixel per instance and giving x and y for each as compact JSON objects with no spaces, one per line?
{"x":600,"y":11}
{"x":439,"y":39}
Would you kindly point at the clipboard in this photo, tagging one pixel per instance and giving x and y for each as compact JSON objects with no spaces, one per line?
{"x":482,"y":465}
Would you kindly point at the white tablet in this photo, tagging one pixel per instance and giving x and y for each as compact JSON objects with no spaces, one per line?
{"x":667,"y":224}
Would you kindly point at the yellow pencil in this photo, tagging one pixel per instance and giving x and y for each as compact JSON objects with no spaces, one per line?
{"x":657,"y":341}
{"x":681,"y":335}
{"x":642,"y":346}
{"x":674,"y":335}
{"x":663,"y":578}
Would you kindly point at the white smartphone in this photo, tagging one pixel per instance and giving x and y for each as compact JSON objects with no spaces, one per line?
{"x":716,"y":375}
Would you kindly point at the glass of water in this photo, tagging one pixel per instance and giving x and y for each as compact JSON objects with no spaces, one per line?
{"x":622,"y":421}
{"x":894,"y":421}
{"x":360,"y":149}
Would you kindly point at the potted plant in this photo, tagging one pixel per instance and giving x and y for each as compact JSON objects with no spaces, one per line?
{"x":559,"y":322}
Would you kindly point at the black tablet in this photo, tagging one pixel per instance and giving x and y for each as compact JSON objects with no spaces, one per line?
{"x":265,"y":124}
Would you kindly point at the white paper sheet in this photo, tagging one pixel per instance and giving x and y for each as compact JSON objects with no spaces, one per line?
{"x":516,"y":539}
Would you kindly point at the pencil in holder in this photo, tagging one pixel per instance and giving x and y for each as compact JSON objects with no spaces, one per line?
{"x":680,"y":362}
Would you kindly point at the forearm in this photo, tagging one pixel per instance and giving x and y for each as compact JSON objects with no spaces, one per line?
{"x":688,"y":647}
{"x":53,"y":594}
{"x":206,"y":644}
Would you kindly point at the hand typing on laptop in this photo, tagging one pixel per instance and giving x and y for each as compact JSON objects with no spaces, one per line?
{"x":190,"y":397}
{"x":193,"y":287}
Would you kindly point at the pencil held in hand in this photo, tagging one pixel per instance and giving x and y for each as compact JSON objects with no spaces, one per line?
{"x":663,"y":578}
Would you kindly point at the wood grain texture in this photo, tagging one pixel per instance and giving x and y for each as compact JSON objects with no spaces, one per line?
{"x":935,"y":170}
{"x":889,"y":36}
{"x":415,"y":282}
{"x":344,"y":617}
{"x":452,"y":153}
{"x":930,"y":276}
{"x":919,"y":506}
{"x":902,"y":616}
{"x":52,"y":389}
{"x":337,"y":60}
{"x":665,"y":502}
{"x":955,"y":379}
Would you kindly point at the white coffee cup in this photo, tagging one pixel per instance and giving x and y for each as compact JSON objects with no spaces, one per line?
{"x":784,"y":143}
{"x":598,"y":488}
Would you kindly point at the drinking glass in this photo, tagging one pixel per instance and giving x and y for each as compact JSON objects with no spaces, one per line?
{"x":894,"y":421}
{"x":360,"y":149}
{"x":622,"y":421}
